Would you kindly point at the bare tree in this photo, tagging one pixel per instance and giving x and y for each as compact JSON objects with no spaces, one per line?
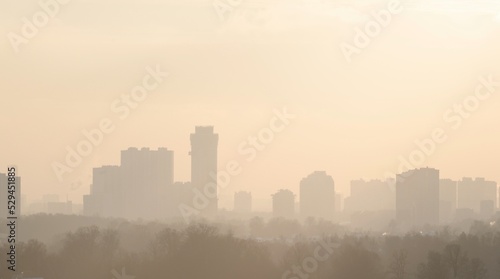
{"x":474,"y":269}
{"x":397,"y":269}
{"x":454,"y":258}
{"x":436,"y":267}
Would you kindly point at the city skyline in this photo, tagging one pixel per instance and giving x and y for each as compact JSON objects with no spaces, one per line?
{"x":389,"y":184}
{"x":411,"y":208}
{"x":147,"y":168}
{"x":222,"y":139}
{"x":294,"y":186}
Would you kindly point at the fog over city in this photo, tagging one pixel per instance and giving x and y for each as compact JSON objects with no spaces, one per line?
{"x":248,"y":138}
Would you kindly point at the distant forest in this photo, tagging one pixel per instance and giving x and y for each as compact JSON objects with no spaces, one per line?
{"x":77,"y":247}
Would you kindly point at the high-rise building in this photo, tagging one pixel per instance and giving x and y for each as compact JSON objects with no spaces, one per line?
{"x":181,"y":193}
{"x":487,"y":208}
{"x":317,"y":196}
{"x":471,"y":192}
{"x":447,"y":199}
{"x":138,"y":188}
{"x":203,"y":153}
{"x":243,"y":202}
{"x":284,"y":204}
{"x":417,"y":197}
{"x":147,"y":174}
{"x":106,"y":193}
{"x":372,"y":195}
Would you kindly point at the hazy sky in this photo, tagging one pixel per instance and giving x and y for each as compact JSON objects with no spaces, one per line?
{"x":353,"y":120}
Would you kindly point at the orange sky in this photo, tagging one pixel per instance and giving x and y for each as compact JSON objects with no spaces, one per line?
{"x":353,"y":120}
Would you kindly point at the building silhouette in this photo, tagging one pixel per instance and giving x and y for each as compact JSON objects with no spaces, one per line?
{"x":447,"y":199}
{"x":65,"y":208}
{"x":203,"y":153}
{"x":487,"y":208}
{"x":243,"y":202}
{"x":138,"y":188}
{"x":372,"y":195}
{"x":284,"y":204}
{"x":38,"y":206}
{"x":179,"y":193}
{"x":371,"y":204}
{"x":317,"y":196}
{"x":472,"y":192}
{"x":107,"y":193}
{"x":417,"y":197}
{"x":147,"y":176}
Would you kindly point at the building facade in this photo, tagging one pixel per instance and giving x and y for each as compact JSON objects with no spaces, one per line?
{"x":138,"y":188}
{"x":317,"y":196}
{"x":284,"y":204}
{"x":204,"y":145}
{"x":417,"y":197}
{"x":472,"y":192}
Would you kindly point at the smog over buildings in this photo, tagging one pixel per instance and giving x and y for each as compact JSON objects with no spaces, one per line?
{"x":234,"y":139}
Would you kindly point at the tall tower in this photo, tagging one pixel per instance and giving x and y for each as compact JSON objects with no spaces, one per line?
{"x":204,"y":166}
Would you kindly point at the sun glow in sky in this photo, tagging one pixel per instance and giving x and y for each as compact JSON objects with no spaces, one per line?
{"x":354,"y":120}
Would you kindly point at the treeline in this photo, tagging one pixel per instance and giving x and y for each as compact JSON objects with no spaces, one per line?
{"x":202,"y":250}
